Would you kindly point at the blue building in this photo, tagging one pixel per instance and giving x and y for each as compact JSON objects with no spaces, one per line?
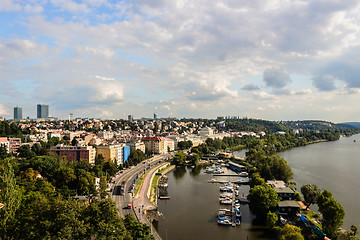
{"x":126,"y":153}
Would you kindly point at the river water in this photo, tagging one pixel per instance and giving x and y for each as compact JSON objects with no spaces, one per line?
{"x":191,"y":211}
{"x":334,"y":166}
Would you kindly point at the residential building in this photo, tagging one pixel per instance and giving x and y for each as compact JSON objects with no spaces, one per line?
{"x":11,"y":144}
{"x":105,"y":134}
{"x":17,"y":113}
{"x":110,"y":153}
{"x":287,"y":204}
{"x":37,"y":137}
{"x":137,"y":145}
{"x":75,"y":153}
{"x":42,"y":111}
{"x":158,"y":145}
{"x":288,"y":207}
{"x":117,"y":154}
{"x":14,"y":145}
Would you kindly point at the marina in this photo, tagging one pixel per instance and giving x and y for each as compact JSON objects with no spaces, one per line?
{"x":195,"y":203}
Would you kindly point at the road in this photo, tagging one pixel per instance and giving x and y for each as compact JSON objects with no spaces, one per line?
{"x":128,"y":176}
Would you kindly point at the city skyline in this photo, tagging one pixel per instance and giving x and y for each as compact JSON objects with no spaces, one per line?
{"x":291,"y":60}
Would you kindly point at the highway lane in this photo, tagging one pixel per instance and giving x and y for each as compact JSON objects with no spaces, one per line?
{"x":129,"y":175}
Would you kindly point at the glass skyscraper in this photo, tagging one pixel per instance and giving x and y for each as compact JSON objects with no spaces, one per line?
{"x":17,"y":113}
{"x":42,"y":111}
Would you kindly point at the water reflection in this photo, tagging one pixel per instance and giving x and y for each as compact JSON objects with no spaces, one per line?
{"x":191,"y":212}
{"x":179,"y":172}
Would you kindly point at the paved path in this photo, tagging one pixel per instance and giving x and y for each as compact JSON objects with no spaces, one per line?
{"x":142,"y":201}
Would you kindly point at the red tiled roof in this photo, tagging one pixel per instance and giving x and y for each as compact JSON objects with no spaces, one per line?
{"x":156,"y":139}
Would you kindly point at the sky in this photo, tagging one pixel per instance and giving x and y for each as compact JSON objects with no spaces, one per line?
{"x":274,"y":60}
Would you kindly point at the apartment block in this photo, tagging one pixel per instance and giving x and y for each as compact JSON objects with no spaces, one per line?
{"x":75,"y":153}
{"x":158,"y":145}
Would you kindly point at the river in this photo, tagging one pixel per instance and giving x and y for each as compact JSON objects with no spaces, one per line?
{"x":334,"y":166}
{"x":191,"y":211}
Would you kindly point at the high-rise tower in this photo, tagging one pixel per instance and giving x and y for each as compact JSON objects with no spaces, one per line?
{"x":42,"y":111}
{"x":17,"y":113}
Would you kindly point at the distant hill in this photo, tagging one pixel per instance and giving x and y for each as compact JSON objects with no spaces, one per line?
{"x":254,"y":125}
{"x":353,"y":124}
{"x":311,"y":125}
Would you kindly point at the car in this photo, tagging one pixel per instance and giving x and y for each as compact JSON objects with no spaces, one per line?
{"x":129,"y":206}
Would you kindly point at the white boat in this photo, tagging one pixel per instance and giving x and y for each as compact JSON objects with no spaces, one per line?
{"x":213,"y":180}
{"x":236,"y":192}
{"x":226,"y":194}
{"x":224,"y":213}
{"x":237,"y":205}
{"x":224,"y":221}
{"x":243,"y":174}
{"x":226,"y":202}
{"x":237,"y":221}
{"x":224,"y":198}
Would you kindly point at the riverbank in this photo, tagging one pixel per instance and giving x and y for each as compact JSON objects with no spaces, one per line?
{"x":333,"y":166}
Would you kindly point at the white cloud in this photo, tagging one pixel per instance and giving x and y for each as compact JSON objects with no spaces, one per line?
{"x":3,"y":110}
{"x":108,"y":91}
{"x":262,"y":95}
{"x":70,"y":6}
{"x":183,"y":51}
{"x":9,"y":5}
{"x":104,"y":78}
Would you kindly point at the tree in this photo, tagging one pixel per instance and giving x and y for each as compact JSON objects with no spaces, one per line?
{"x":10,"y":196}
{"x":102,"y":189}
{"x":103,"y":221}
{"x":262,"y":198}
{"x":25,"y":152}
{"x":194,"y":158}
{"x":74,"y":142}
{"x":256,"y":179}
{"x":271,"y":220}
{"x":179,"y":159}
{"x":3,"y":151}
{"x":332,"y":212}
{"x":291,"y":232}
{"x":311,"y":192}
{"x":138,"y":230}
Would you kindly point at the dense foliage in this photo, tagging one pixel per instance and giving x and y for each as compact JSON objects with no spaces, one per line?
{"x":184,"y":145}
{"x":9,"y":130}
{"x":332,"y":212}
{"x":254,"y":125}
{"x":135,"y":157}
{"x":262,"y":199}
{"x":311,"y":193}
{"x":38,"y":203}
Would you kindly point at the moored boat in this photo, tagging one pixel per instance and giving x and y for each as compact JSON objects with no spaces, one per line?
{"x":226,"y":202}
{"x":224,"y":221}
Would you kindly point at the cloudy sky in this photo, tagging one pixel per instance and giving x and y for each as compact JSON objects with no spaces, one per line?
{"x":275,"y":59}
